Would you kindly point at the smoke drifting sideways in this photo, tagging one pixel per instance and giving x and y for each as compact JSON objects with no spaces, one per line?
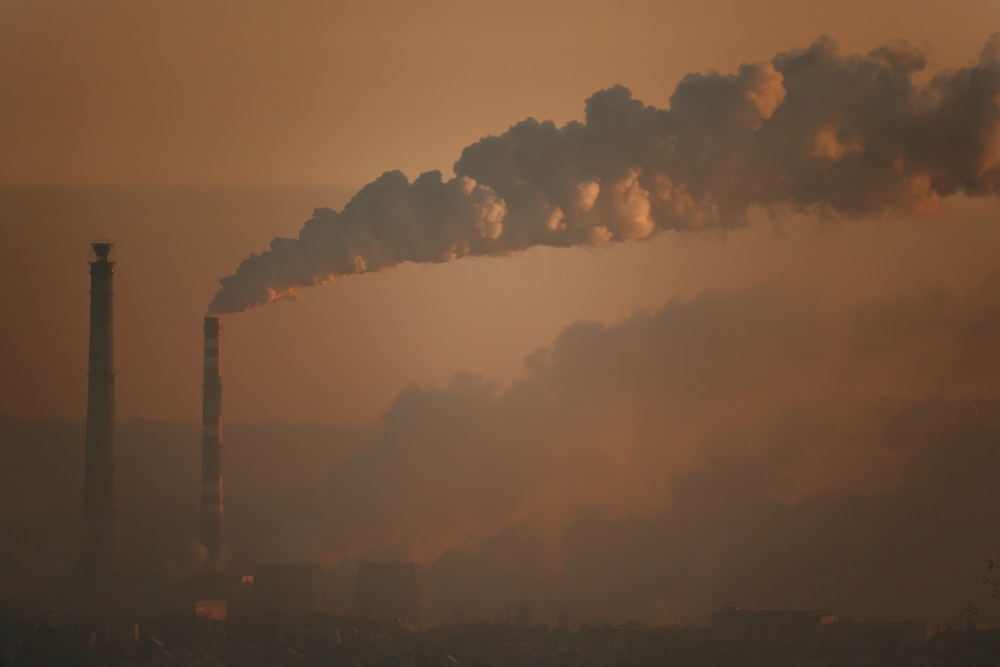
{"x":609,"y":420}
{"x":812,"y":130}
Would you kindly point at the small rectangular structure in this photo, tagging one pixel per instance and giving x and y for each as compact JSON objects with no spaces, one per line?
{"x":212,"y":610}
{"x":288,"y":588}
{"x":392,"y":591}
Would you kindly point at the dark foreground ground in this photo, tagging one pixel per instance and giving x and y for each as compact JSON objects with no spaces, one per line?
{"x":326,"y":640}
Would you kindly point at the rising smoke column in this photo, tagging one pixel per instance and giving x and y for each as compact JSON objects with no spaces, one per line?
{"x":613,"y":421}
{"x":812,"y":130}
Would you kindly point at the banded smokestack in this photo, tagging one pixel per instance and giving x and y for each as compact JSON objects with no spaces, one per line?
{"x":101,"y":542}
{"x":211,"y":445}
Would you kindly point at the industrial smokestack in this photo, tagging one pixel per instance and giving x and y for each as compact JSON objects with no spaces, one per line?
{"x":211,"y":445}
{"x":100,"y":508}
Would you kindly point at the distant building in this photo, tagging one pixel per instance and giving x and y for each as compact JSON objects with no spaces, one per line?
{"x":780,"y":626}
{"x":212,"y":610}
{"x":288,"y":588}
{"x":392,"y":591}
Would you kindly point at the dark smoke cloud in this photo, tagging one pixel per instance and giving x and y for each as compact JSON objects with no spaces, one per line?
{"x":812,"y":130}
{"x":763,"y":447}
{"x":901,"y":531}
{"x":609,"y":419}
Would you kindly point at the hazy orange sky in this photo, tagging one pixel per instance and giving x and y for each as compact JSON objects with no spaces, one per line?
{"x":201,"y":130}
{"x":792,"y":413}
{"x":319,"y":93}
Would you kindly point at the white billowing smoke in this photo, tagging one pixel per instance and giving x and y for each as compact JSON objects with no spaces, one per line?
{"x":812,"y":130}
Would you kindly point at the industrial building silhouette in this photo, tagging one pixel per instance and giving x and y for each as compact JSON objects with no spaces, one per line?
{"x":393,"y":591}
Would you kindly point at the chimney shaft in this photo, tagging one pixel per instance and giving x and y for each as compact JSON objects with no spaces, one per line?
{"x":211,"y":444}
{"x":100,"y":509}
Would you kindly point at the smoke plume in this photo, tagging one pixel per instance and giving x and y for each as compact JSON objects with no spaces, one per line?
{"x":609,"y":419}
{"x":812,"y":130}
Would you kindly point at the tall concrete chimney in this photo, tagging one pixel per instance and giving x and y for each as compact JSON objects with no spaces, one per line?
{"x":101,"y":542}
{"x":211,"y":444}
